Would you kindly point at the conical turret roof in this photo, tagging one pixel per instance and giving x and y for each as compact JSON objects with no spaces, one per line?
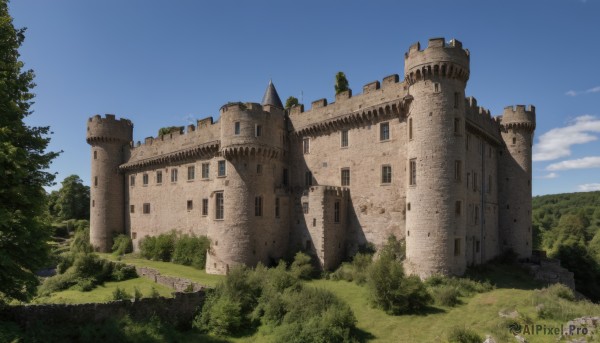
{"x":271,"y":97}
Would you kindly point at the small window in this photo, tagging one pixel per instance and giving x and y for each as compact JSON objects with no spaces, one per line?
{"x":345,"y":177}
{"x":93,"y":203}
{"x":191,"y":173}
{"x":219,"y":208}
{"x":477,"y":246}
{"x":236,"y":129}
{"x":285,"y":177}
{"x":95,"y":154}
{"x":410,"y":129}
{"x":159,"y":177}
{"x":412,"y":172}
{"x":314,"y":222}
{"x":222,"y":168}
{"x":344,"y":138}
{"x":336,"y":212}
{"x":306,"y":145}
{"x":458,"y":208}
{"x":132,"y":180}
{"x":474,"y":182}
{"x":489,"y":185}
{"x":131,"y":208}
{"x":386,"y":174}
{"x":408,"y":206}
{"x":146,"y":209}
{"x":456,"y":125}
{"x":174,"y":175}
{"x":276,"y":207}
{"x":308,"y":178}
{"x":205,"y":170}
{"x":457,"y":247}
{"x":190,"y":205}
{"x":384,"y":131}
{"x":457,"y":171}
{"x":259,"y":169}
{"x":436,"y":87}
{"x":514,"y":140}
{"x":258,"y":205}
{"x":258,"y":130}
{"x":145,"y":179}
{"x":468,"y":180}
{"x":305,"y":207}
{"x":204,"y":207}
{"x":456,"y":99}
{"x":95,"y":181}
{"x":476,"y":215}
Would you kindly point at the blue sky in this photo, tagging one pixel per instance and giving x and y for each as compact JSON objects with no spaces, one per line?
{"x":163,"y":63}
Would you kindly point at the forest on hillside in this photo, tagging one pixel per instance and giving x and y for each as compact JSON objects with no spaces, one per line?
{"x":567,"y":227}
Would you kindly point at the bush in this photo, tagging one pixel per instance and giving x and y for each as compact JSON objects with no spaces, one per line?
{"x":120,"y":294}
{"x":81,"y":242}
{"x":159,"y":248}
{"x":302,"y":266}
{"x":446,"y":296}
{"x":191,"y":251}
{"x":463,"y":335}
{"x":221,"y":315}
{"x":122,"y":245}
{"x":561,"y":291}
{"x":121,"y":272}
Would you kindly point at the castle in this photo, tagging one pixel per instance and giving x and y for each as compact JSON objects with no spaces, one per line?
{"x":412,"y":158}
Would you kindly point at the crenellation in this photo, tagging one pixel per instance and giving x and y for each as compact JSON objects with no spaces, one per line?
{"x":347,"y":94}
{"x":318,"y":103}
{"x":390,"y":79}
{"x":370,"y":87}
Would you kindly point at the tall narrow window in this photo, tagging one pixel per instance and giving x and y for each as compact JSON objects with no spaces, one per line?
{"x":436,"y":87}
{"x":222,"y":168}
{"x":191,"y":172}
{"x":259,"y":169}
{"x":205,"y":170}
{"x":258,"y":130}
{"x":95,"y":181}
{"x":306,"y":145}
{"x":308,"y":178}
{"x":219,"y":208}
{"x":514,"y":140}
{"x":285,"y":177}
{"x":456,"y":99}
{"x":190,"y":205}
{"x":336,"y":212}
{"x":305,"y":207}
{"x":456,"y":125}
{"x":457,"y":247}
{"x":457,"y":171}
{"x":131,"y":208}
{"x":410,"y":128}
{"x":412,"y":172}
{"x":474,"y":182}
{"x":345,"y":177}
{"x":258,"y":203}
{"x":95,"y":154}
{"x":476,"y":215}
{"x":204,"y":207}
{"x":458,"y":207}
{"x":174,"y":175}
{"x":236,"y":128}
{"x":276,"y":207}
{"x":468,"y":180}
{"x":386,"y":174}
{"x":145,"y":179}
{"x":146,"y":208}
{"x":132,"y":180}
{"x":344,"y":138}
{"x":159,"y":177}
{"x":384,"y":131}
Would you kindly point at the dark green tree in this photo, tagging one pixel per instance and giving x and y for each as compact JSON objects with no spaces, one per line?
{"x":23,"y":232}
{"x":168,"y":129}
{"x":291,"y":102}
{"x":341,"y":83}
{"x":73,"y":199}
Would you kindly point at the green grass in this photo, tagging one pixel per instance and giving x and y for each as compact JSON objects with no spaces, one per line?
{"x":170,"y":269}
{"x":103,"y":293}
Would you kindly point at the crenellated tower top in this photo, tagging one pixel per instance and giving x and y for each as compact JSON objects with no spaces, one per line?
{"x":438,"y":59}
{"x":519,"y":116}
{"x":109,"y":129}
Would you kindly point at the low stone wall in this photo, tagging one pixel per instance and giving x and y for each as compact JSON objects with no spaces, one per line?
{"x":177,"y":283}
{"x":179,"y":310}
{"x":550,"y":271}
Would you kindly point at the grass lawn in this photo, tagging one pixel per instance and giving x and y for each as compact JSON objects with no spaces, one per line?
{"x":170,"y":269}
{"x":103,"y":293}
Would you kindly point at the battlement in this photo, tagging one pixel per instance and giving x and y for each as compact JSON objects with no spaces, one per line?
{"x":249,"y":107}
{"x":518,"y":115}
{"x":481,"y":119}
{"x":438,"y":59}
{"x":329,"y":190}
{"x":108,"y":128}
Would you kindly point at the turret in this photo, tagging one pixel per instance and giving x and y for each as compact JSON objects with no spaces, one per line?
{"x":109,"y":139}
{"x":435,"y":229}
{"x":517,"y":125}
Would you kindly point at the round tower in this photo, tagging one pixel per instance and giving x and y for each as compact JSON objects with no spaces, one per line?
{"x":109,"y":139}
{"x":435,"y":196}
{"x":517,"y":125}
{"x":252,"y":228}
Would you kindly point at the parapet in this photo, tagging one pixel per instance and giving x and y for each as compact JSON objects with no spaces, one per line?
{"x":481,"y":119}
{"x":518,"y":115}
{"x":109,"y":129}
{"x":249,"y":107}
{"x":438,"y":59}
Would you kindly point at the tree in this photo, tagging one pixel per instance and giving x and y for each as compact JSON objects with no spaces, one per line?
{"x":291,"y":102}
{"x":73,"y":200}
{"x":341,"y":83}
{"x":23,"y":232}
{"x":166,"y":130}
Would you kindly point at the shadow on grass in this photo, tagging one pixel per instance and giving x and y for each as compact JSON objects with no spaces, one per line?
{"x":504,"y":275}
{"x":362,"y":335}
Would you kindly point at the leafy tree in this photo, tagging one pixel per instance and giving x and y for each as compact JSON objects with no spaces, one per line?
{"x":168,"y":129}
{"x":23,"y":232}
{"x":291,"y":102}
{"x":341,"y":83}
{"x":72,"y":199}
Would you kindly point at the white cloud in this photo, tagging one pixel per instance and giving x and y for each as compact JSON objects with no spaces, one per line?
{"x":549,"y":176}
{"x":587,"y":91}
{"x":589,"y":187}
{"x":557,"y":142}
{"x":581,"y":163}
{"x":571,"y":93}
{"x":593,"y":90}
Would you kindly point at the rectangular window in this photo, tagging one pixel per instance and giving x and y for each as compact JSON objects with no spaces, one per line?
{"x":174,"y":175}
{"x":131,"y":208}
{"x":346,"y":177}
{"x":204,"y":207}
{"x":258,"y":130}
{"x":457,"y":171}
{"x":305,"y":207}
{"x":146,"y":209}
{"x":145,"y":179}
{"x":259,"y":169}
{"x":457,"y":247}
{"x":95,"y":181}
{"x":205,"y":170}
{"x":236,"y":130}
{"x":384,"y":131}
{"x":474,"y":182}
{"x":306,"y":145}
{"x":344,"y":138}
{"x":456,"y":125}
{"x":95,"y":154}
{"x":412,"y":172}
{"x":285,"y":177}
{"x":219,"y":207}
{"x":489,"y":185}
{"x":191,"y":172}
{"x":476,"y":215}
{"x":386,"y":174}
{"x":336,"y":212}
{"x":258,"y":202}
{"x":436,"y":87}
{"x":132,"y":180}
{"x":276,"y":207}
{"x":222,"y":168}
{"x":159,"y":177}
{"x":456,"y":99}
{"x":190,"y":205}
{"x":308,"y":178}
{"x":468,"y":180}
{"x":458,"y":208}
{"x":477,"y":246}
{"x":410,"y":129}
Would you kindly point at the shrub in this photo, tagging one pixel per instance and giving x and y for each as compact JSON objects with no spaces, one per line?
{"x":463,"y":335}
{"x":191,"y":251}
{"x":360,"y":267}
{"x":85,"y":284}
{"x":221,"y":315}
{"x":137,"y":294}
{"x":121,"y":272}
{"x":446,"y":295}
{"x":122,"y":245}
{"x":81,"y":242}
{"x":120,"y":294}
{"x":302,"y":266}
{"x":561,"y":291}
{"x":154,"y":293}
